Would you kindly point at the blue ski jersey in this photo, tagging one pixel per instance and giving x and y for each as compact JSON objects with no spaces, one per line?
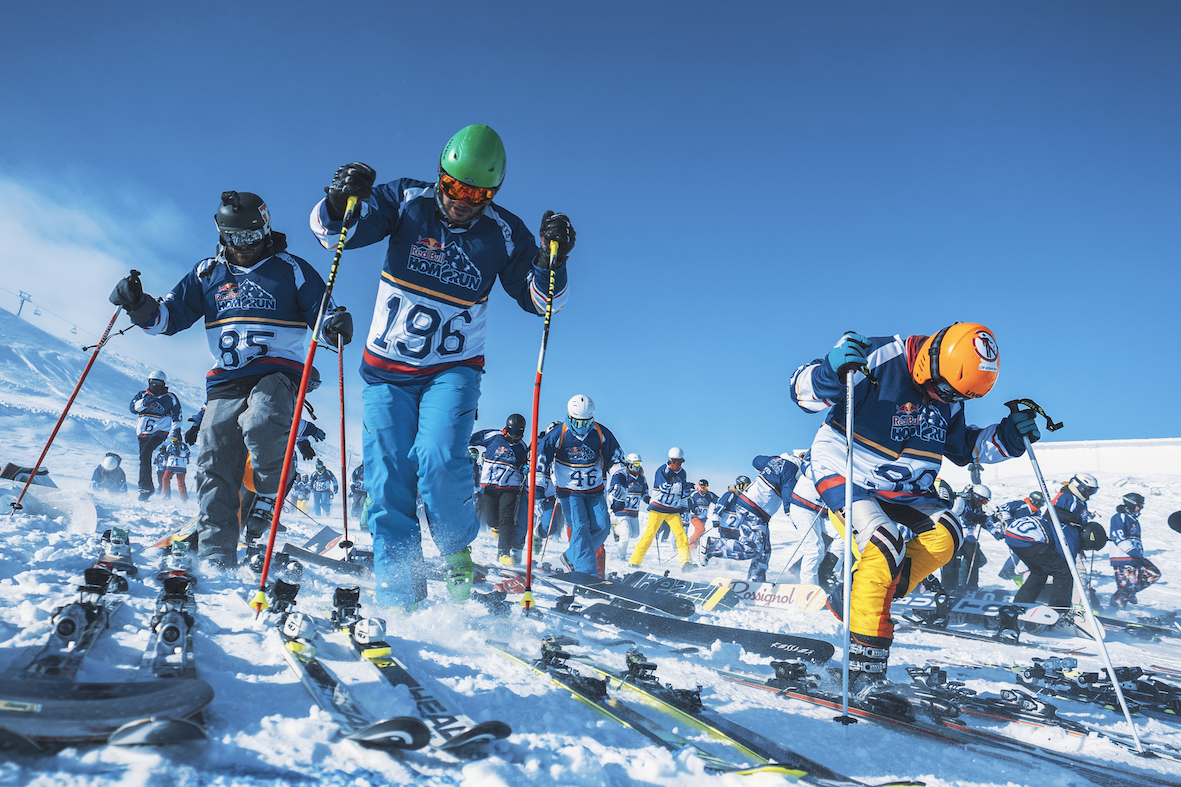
{"x":699,"y":504}
{"x":504,"y":461}
{"x":901,"y":436}
{"x":670,"y":491}
{"x":626,"y":491}
{"x":1029,"y":530}
{"x":157,"y":412}
{"x":1071,"y":509}
{"x":577,"y":464}
{"x":256,"y":319}
{"x":771,"y":488}
{"x":432,"y":298}
{"x":1125,"y":534}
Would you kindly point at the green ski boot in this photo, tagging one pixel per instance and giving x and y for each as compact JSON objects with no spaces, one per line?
{"x":460,"y":573}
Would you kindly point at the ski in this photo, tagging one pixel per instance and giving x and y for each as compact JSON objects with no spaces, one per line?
{"x":593,"y":692}
{"x":362,"y":565}
{"x":710,"y":597}
{"x":762,"y":643}
{"x":981,"y":607}
{"x":1062,"y":679}
{"x":686,"y":705}
{"x":296,"y":634}
{"x":450,"y":731}
{"x":1144,"y":627}
{"x":76,"y":627}
{"x":770,"y":595}
{"x":909,"y":624}
{"x":169,"y":653}
{"x":894,"y":706}
{"x":591,"y":587}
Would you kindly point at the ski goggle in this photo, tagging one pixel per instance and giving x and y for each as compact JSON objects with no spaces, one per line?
{"x":676,"y":461}
{"x":581,"y":423}
{"x":243,"y":239}
{"x":462,"y":192}
{"x":942,"y":388}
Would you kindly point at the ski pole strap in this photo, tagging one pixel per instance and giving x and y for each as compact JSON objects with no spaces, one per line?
{"x":1016,"y":405}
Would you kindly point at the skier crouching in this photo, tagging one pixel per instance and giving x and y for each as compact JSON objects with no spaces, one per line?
{"x":909,"y":396}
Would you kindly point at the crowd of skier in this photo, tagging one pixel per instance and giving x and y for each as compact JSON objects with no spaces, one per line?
{"x":447,"y":244}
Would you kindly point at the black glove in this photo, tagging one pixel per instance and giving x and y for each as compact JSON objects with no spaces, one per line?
{"x":339,"y":324}
{"x":140,"y":307}
{"x":306,"y":451}
{"x":351,"y":180}
{"x":191,"y":435}
{"x":555,"y":226}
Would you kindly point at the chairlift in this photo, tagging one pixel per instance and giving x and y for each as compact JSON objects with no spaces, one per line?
{"x":37,"y":311}
{"x":74,"y":329}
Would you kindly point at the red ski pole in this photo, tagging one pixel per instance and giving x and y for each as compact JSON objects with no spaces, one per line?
{"x":345,"y":544}
{"x":259,"y":602}
{"x":527,"y":599}
{"x":16,"y":506}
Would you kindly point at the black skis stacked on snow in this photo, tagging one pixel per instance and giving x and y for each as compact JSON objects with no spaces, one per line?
{"x":1061,"y":678}
{"x":41,"y":703}
{"x":894,"y":705}
{"x":451,"y":731}
{"x":763,"y":643}
{"x":592,"y":587}
{"x":708,"y":595}
{"x":296,"y":634}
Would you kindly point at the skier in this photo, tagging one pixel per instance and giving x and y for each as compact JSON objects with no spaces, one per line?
{"x":501,"y":479}
{"x":723,"y":520}
{"x":302,"y":489}
{"x":1133,"y":571}
{"x":669,"y":498}
{"x":1071,"y":506}
{"x":109,"y":476}
{"x":157,"y":410}
{"x":1033,"y":540}
{"x":754,"y":507}
{"x":357,"y":489}
{"x":963,"y":570}
{"x":627,"y":489}
{"x":995,"y":524}
{"x":255,"y":300}
{"x":909,"y":399}
{"x":448,"y":242}
{"x":324,"y":488}
{"x":700,"y":504}
{"x":577,"y":454}
{"x":176,"y":460}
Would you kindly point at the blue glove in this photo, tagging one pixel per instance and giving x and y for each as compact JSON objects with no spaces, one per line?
{"x":849,"y":353}
{"x":1025,"y":423}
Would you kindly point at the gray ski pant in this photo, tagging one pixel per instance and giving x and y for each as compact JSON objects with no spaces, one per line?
{"x":256,"y":425}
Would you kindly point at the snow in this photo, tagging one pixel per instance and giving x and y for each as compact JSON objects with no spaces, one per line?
{"x":264,"y":728}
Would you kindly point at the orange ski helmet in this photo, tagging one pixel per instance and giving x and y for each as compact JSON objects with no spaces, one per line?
{"x":960,"y":362}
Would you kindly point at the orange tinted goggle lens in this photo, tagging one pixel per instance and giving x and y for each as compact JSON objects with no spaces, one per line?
{"x":472,"y":195}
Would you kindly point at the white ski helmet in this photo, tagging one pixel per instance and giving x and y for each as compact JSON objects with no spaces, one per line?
{"x":676,"y":454}
{"x":981,"y":491}
{"x":634,"y":461}
{"x":110,"y":462}
{"x":580,"y":414}
{"x":1084,"y":485}
{"x":158,"y":375}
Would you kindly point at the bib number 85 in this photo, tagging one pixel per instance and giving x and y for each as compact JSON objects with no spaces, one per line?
{"x":238,"y":350}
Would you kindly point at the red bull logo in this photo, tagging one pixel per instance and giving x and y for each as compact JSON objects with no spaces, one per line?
{"x":430,"y":243}
{"x":906,"y":408}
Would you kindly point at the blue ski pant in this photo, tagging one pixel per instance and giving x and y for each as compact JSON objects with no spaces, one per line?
{"x":322,"y":502}
{"x":589,"y":520}
{"x":415,"y":442}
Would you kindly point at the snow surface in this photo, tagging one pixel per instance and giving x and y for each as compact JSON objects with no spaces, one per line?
{"x":264,"y":728}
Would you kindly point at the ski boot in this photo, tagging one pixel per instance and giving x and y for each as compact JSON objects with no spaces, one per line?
{"x":459,"y":574}
{"x":1008,"y":626}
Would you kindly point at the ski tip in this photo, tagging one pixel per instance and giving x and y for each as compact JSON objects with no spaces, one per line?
{"x":259,"y":603}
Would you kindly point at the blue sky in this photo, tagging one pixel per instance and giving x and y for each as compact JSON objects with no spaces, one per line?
{"x":748,"y":180}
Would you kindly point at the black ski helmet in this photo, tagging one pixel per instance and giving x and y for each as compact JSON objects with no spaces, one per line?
{"x":514,"y":427}
{"x":1134,"y":499}
{"x":1094,"y":537}
{"x":314,"y":380}
{"x":240,"y":211}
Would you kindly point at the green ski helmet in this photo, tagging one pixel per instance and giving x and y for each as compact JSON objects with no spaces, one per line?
{"x":475,"y":156}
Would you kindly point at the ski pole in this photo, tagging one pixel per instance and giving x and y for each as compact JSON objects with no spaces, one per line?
{"x":344,"y":470}
{"x":259,"y":603}
{"x":847,"y":578}
{"x":16,"y":506}
{"x":1015,"y":407}
{"x":527,"y":599}
{"x":799,"y":545}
